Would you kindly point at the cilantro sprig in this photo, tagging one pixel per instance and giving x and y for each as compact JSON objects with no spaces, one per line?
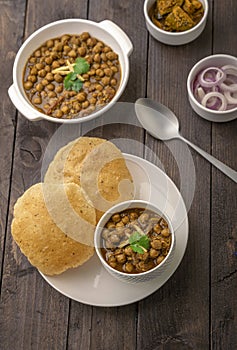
{"x":139,"y":243}
{"x":73,"y":80}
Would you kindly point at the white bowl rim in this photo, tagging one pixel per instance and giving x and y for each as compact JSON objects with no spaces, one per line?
{"x":129,"y":203}
{"x":92,"y":115}
{"x":175,"y":34}
{"x":190,"y":79}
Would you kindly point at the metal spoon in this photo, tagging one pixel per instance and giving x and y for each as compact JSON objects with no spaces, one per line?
{"x":161,"y":123}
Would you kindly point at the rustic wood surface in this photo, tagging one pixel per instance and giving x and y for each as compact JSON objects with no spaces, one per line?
{"x":196,"y":308}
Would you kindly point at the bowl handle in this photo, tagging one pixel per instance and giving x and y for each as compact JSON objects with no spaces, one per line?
{"x":120,"y":35}
{"x":20,"y":105}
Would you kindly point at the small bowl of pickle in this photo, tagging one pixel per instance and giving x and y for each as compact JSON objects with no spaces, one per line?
{"x":175,"y":22}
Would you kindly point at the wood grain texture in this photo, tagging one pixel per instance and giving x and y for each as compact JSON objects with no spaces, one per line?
{"x":224,"y":202}
{"x":11,"y":35}
{"x":181,"y":317}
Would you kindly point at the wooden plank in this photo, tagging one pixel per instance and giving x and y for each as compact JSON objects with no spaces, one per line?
{"x":171,"y":311}
{"x":11,"y":33}
{"x":33,"y":315}
{"x":224,"y":202}
{"x":110,"y":326}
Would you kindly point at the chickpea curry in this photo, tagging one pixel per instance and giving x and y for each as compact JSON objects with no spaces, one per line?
{"x":71,"y":76}
{"x":135,"y":240}
{"x":176,"y":15}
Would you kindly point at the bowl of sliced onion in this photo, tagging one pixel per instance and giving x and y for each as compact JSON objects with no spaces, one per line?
{"x":212,"y":88}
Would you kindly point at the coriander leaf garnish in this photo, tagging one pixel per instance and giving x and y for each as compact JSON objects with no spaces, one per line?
{"x":81,"y":66}
{"x":73,"y":79}
{"x":139,"y":243}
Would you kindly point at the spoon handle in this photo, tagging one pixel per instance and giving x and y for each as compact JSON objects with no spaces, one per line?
{"x":221,"y":166}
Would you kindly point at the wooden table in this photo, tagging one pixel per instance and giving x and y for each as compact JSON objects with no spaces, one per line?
{"x":196,"y":308}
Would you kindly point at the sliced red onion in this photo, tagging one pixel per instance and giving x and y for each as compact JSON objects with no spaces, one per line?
{"x":218,"y":95}
{"x":226,"y":87}
{"x":229,"y":98}
{"x":218,"y":77}
{"x":229,"y":69}
{"x":216,"y":88}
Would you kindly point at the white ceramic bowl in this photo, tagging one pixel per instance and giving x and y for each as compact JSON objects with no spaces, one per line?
{"x":106,"y":31}
{"x":139,"y":277}
{"x":171,"y":38}
{"x":206,"y":113}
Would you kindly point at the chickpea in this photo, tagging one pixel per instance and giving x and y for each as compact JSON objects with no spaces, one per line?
{"x":81,"y":51}
{"x":34,"y":71}
{"x":106,"y":49}
{"x":59,"y":47}
{"x":28,"y":85}
{"x":85,"y":36}
{"x":64,"y":39}
{"x":103,"y":57}
{"x":99,"y":87}
{"x":81,"y":97}
{"x":42,"y":73}
{"x":39,"y":66}
{"x":48,"y":60}
{"x":128,"y":251}
{"x":85,"y":76}
{"x":49,"y":43}
{"x":103,"y":66}
{"x":97,"y":48}
{"x":37,"y":100}
{"x":47,"y":68}
{"x":125,"y":219}
{"x":66,"y":49}
{"x":92,"y":101}
{"x":49,"y":77}
{"x":46,"y":106}
{"x":121,"y":258}
{"x":153,"y":253}
{"x":87,"y":84}
{"x":111,"y":55}
{"x":157,"y":228}
{"x":156,"y":244}
{"x":105,"y":81}
{"x":97,"y":58}
{"x":91,"y":42}
{"x":129,"y":267}
{"x":85,"y":104}
{"x":72,"y":53}
{"x":52,"y":94}
{"x":59,"y":89}
{"x":116,"y":218}
{"x":113,"y":82}
{"x":100,"y":72}
{"x":91,"y":72}
{"x":120,"y":224}
{"x":110,"y":224}
{"x":32,"y":78}
{"x":44,"y":82}
{"x":39,"y":87}
{"x":133,"y":216}
{"x":55,"y":64}
{"x":64,"y":109}
{"x":50,"y":87}
{"x":37,"y":53}
{"x":58,"y":78}
{"x":96,"y":66}
{"x":165,"y":232}
{"x":114,"y":69}
{"x":108,"y":72}
{"x":58,"y":113}
{"x":159,"y":259}
{"x":33,"y":60}
{"x":77,"y":106}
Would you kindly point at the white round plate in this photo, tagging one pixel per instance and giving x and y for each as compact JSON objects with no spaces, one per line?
{"x":91,"y":284}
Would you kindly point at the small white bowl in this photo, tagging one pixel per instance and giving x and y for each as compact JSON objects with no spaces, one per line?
{"x":138,"y":277}
{"x":171,"y":38}
{"x":204,"y":112}
{"x":106,"y":31}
